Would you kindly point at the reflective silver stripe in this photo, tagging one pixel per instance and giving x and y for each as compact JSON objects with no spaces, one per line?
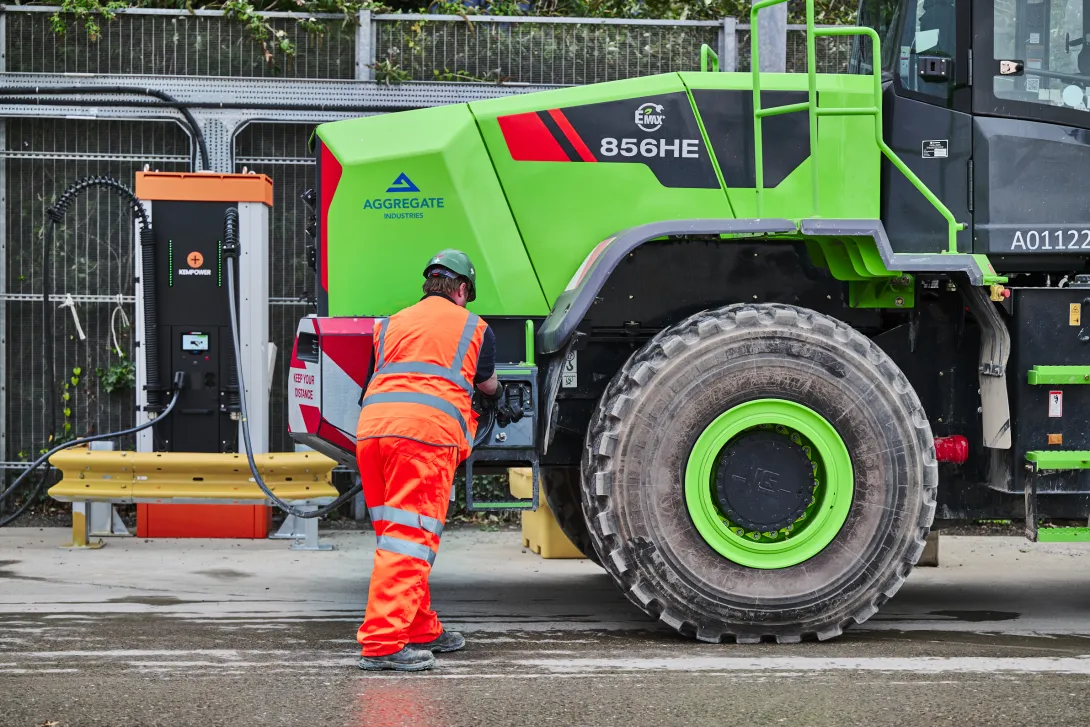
{"x":453,"y":374}
{"x":426,"y":369}
{"x":404,"y":517}
{"x":463,"y":344}
{"x":381,"y":358}
{"x":406,"y":547}
{"x":410,"y":397}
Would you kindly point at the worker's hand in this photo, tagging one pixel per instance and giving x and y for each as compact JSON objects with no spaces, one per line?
{"x":495,"y":399}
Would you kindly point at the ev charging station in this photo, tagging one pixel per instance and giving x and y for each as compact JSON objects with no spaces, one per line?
{"x":192,"y":332}
{"x":204,"y":365}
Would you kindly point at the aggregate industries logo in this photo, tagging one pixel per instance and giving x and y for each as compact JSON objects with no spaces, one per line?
{"x":649,"y":116}
{"x":406,"y":203}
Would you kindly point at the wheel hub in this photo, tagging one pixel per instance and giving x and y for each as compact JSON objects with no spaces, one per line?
{"x":769,"y":483}
{"x":764,"y":481}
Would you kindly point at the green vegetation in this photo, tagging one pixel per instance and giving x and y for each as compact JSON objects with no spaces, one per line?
{"x":118,"y":377}
{"x":88,"y":16}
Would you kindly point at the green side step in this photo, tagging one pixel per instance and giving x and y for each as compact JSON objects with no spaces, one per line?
{"x":1059,"y":375}
{"x":1063,"y":535}
{"x":1072,"y":459}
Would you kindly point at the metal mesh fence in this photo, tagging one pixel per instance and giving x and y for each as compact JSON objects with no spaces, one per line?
{"x":832,"y":53}
{"x":92,"y":262}
{"x":534,"y":52}
{"x":176,"y":45}
{"x":280,"y":151}
{"x":413,"y":48}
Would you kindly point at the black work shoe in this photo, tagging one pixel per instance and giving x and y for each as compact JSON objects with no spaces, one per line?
{"x":408,"y":659}
{"x":446,"y":642}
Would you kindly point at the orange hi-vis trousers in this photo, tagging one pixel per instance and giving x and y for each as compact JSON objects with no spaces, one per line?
{"x":407,"y":488}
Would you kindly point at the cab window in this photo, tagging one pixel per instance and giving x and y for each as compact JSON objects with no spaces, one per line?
{"x":883,"y":16}
{"x":1042,"y":54}
{"x":909,"y":29}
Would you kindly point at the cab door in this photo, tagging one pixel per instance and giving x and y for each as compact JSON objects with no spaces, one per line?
{"x":926,"y":111}
{"x":1031,"y":133}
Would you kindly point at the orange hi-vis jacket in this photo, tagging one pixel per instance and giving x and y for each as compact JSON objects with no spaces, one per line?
{"x":422,"y":387}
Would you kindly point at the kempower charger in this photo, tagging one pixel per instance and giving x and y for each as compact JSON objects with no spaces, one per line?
{"x":193,"y":328}
{"x":192,"y":331}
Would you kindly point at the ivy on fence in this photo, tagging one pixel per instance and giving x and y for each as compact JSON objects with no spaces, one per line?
{"x":275,"y":42}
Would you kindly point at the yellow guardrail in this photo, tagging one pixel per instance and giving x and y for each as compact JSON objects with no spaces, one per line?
{"x":189,"y":477}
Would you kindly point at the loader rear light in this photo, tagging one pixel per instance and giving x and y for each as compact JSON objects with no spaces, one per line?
{"x":954,"y":449}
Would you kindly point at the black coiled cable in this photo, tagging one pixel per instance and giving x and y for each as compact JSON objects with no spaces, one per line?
{"x":230,"y":252}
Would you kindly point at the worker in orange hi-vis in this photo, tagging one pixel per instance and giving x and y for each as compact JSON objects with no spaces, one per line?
{"x":416,"y":426}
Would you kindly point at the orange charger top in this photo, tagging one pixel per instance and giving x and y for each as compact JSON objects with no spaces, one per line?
{"x":204,"y":187}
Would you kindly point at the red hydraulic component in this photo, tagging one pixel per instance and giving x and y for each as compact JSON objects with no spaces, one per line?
{"x":953,"y":449}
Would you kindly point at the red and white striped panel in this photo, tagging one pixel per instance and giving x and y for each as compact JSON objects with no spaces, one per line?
{"x":324,"y":393}
{"x":304,"y":398}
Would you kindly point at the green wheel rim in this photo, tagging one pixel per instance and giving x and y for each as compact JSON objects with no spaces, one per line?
{"x":823,"y":519}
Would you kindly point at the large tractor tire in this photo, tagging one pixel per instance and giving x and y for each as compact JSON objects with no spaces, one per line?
{"x":562,"y":492}
{"x":759,"y":472}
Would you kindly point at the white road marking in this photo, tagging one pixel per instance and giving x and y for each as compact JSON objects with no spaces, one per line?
{"x":549,"y":663}
{"x":918,"y":664}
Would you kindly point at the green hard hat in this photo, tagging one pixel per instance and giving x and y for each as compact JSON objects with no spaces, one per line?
{"x":453,"y":261}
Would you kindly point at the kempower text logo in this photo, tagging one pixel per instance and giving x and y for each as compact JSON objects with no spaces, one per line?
{"x":408,"y":202}
{"x":195,"y":261}
{"x":649,"y":117}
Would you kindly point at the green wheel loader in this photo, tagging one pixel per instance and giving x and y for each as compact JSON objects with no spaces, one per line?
{"x":757,"y":330}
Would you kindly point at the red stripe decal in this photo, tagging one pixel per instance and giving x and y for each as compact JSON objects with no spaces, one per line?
{"x":529,"y":140}
{"x":331,"y":177}
{"x":573,"y":136}
{"x":351,"y":353}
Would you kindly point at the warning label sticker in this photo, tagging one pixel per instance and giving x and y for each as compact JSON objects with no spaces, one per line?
{"x":1055,"y":404}
{"x":569,"y":378}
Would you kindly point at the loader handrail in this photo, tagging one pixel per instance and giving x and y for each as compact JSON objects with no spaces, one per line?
{"x":811,"y":107}
{"x":706,"y":55}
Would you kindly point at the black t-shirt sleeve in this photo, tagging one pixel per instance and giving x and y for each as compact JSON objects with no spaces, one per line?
{"x":370,"y":373}
{"x":486,"y":359}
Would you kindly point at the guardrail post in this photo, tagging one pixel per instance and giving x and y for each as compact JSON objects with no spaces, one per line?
{"x":365,"y":51}
{"x":772,"y":27}
{"x":728,"y":45}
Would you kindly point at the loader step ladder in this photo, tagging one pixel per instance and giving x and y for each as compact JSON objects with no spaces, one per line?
{"x":815,"y":111}
{"x":1052,"y":460}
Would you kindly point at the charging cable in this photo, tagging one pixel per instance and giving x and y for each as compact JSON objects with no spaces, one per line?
{"x":179,"y":383}
{"x":230,"y":252}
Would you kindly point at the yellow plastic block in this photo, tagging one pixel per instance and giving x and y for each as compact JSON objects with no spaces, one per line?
{"x":187,"y":477}
{"x":540,"y":532}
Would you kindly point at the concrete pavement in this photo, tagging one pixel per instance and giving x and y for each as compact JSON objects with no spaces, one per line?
{"x":228,"y":632}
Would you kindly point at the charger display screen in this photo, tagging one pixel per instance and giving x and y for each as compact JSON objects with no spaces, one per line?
{"x":194,"y":342}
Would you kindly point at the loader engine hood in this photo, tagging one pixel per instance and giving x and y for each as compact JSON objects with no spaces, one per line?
{"x":393,"y":189}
